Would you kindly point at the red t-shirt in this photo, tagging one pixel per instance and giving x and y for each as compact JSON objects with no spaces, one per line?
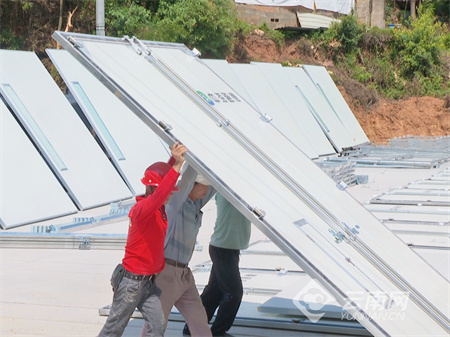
{"x":144,"y":251}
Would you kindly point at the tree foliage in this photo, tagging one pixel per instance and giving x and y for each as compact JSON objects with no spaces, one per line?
{"x":396,"y":62}
{"x":125,"y":18}
{"x":417,"y":49}
{"x":209,"y":26}
{"x":344,"y":37}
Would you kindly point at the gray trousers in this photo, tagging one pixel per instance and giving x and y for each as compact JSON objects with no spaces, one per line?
{"x":178,"y":288}
{"x":132,"y":294}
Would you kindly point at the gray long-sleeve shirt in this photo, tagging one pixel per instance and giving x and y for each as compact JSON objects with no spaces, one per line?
{"x":184,"y":219}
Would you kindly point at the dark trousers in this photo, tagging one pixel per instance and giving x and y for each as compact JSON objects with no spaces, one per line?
{"x":224,"y":289}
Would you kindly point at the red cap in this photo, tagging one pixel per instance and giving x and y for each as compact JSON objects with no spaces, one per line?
{"x":155,"y":173}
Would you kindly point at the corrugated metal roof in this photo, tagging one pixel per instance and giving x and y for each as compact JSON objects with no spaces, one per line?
{"x":315,"y":21}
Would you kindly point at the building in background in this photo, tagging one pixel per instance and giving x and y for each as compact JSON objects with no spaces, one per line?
{"x":309,"y":14}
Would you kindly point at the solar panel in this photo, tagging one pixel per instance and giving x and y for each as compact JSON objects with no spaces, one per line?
{"x":323,"y":81}
{"x":270,"y":104}
{"x":52,"y":123}
{"x":369,"y":271}
{"x":296,"y":106}
{"x":331,"y":125}
{"x":223,"y":70}
{"x":29,"y":190}
{"x":119,"y":129}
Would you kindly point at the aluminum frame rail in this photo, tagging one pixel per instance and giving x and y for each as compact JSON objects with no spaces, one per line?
{"x":62,"y":241}
{"x":387,"y":156}
{"x":333,"y":242}
{"x":428,"y":143}
{"x":282,"y":323}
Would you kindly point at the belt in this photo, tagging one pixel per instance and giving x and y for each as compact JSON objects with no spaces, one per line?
{"x":137,"y":277}
{"x":176,"y":263}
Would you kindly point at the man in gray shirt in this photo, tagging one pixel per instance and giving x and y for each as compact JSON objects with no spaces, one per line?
{"x":176,"y":281}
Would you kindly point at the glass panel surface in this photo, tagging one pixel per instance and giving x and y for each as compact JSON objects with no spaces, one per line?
{"x":223,"y":70}
{"x":335,"y":130}
{"x":323,"y":80}
{"x":29,"y":191}
{"x":34,"y":128}
{"x":269,"y":103}
{"x":296,"y":106}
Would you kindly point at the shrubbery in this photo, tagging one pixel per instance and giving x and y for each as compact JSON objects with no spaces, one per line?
{"x":396,"y":62}
{"x":126,"y":18}
{"x":210,"y":26}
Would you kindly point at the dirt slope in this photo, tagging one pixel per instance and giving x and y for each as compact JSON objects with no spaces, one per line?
{"x":386,"y":119}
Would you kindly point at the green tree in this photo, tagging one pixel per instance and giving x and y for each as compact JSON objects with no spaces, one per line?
{"x":417,"y":49}
{"x":126,"y":17}
{"x":209,"y":26}
{"x":343,"y":39}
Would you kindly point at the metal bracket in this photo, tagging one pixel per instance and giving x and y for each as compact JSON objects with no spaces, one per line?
{"x":223,"y":123}
{"x":266,"y":118}
{"x":85,"y":244}
{"x":133,"y":45}
{"x":259,"y":213}
{"x":338,"y":236}
{"x":143,"y":47}
{"x":352,"y":232}
{"x":74,"y":42}
{"x":166,"y":127}
{"x":341,"y":185}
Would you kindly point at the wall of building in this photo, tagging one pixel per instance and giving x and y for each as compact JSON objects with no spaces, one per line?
{"x":274,"y":17}
{"x":369,"y":12}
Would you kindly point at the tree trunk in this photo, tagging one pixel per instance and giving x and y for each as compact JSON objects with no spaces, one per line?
{"x":61,"y":3}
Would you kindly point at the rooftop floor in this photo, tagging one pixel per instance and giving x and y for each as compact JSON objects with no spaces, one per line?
{"x":60,"y":292}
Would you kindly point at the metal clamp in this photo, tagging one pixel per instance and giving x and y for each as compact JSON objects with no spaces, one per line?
{"x":259,"y":213}
{"x":166,"y":127}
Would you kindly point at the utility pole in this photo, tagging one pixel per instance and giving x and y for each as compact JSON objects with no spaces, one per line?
{"x":100,"y":17}
{"x":413,"y":9}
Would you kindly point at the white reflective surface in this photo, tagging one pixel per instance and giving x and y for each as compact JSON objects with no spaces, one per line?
{"x":29,"y":191}
{"x":331,"y":125}
{"x":269,"y":103}
{"x":296,"y":106}
{"x":325,"y":84}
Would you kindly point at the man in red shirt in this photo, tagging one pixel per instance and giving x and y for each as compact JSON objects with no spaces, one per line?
{"x":134,"y":280}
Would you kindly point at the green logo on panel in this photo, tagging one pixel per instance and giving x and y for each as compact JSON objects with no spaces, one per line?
{"x":206,"y":98}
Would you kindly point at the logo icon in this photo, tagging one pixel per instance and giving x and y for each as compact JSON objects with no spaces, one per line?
{"x":311,"y":300}
{"x":205,"y":97}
